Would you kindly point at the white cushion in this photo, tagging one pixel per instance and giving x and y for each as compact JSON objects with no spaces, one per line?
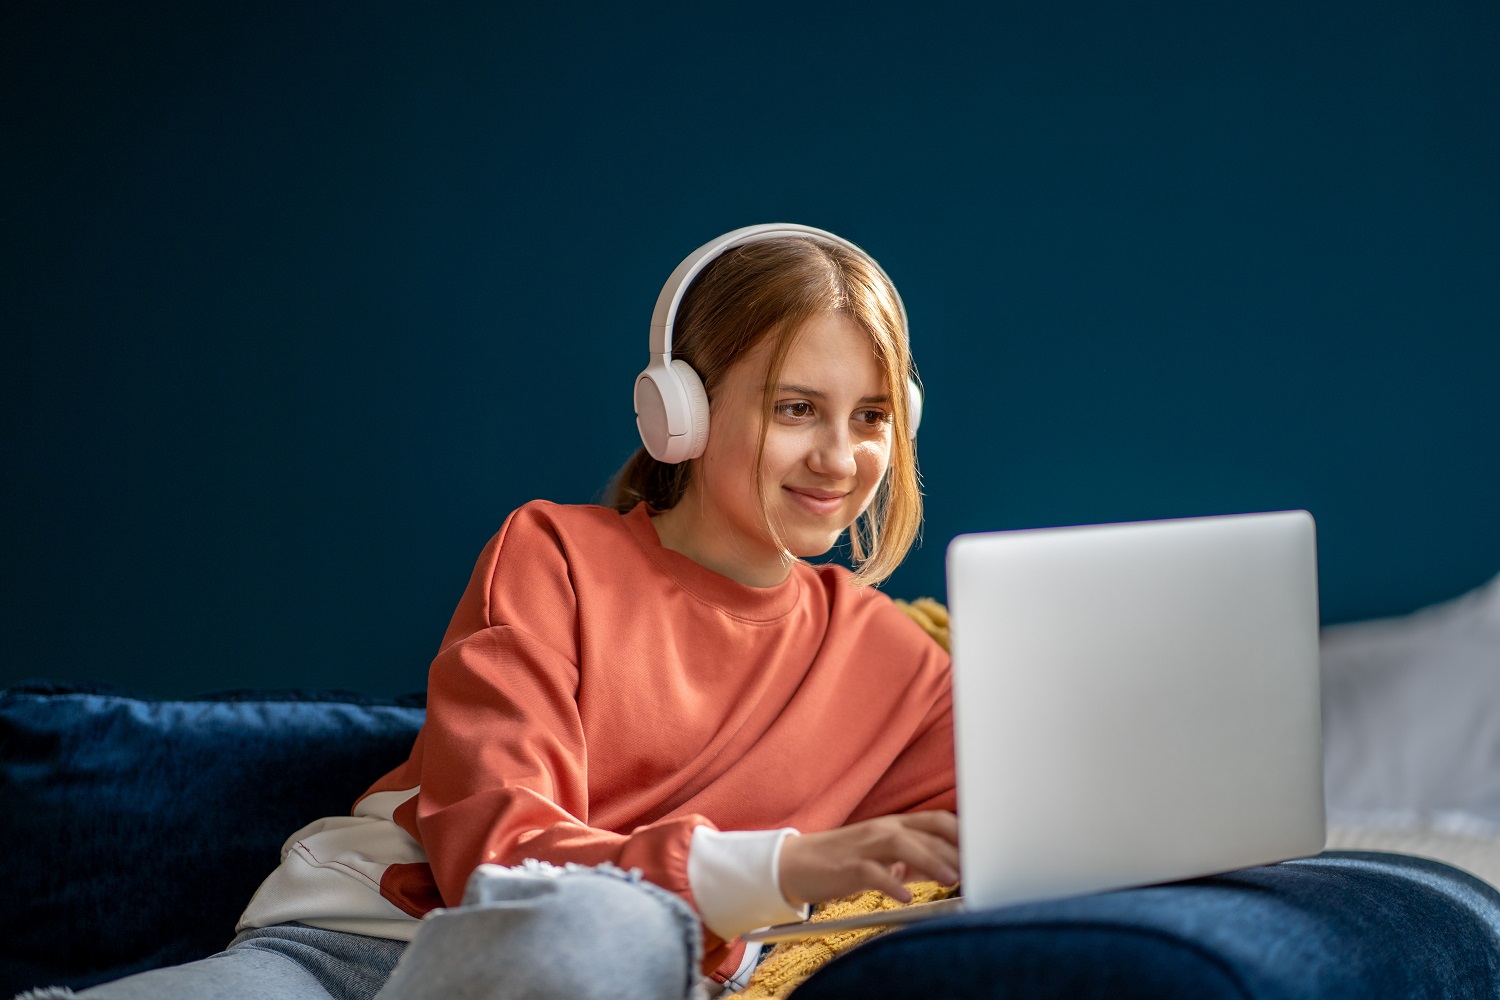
{"x":1411,"y":713}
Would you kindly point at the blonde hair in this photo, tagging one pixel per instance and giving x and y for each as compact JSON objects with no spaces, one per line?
{"x":769,"y":290}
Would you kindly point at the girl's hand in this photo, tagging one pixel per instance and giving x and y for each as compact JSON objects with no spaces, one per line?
{"x":879,"y":854}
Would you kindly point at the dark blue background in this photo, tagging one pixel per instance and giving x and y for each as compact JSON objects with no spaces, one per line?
{"x":300,"y":300}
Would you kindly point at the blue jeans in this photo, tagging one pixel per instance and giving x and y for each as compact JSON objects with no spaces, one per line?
{"x":531,"y":933}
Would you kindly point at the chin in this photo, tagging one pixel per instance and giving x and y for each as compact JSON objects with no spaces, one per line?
{"x":807,"y":545}
{"x":806,"y":537}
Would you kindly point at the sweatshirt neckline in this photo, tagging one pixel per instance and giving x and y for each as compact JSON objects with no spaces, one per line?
{"x":730,"y":596}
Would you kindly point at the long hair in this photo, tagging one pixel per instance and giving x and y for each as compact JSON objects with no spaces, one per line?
{"x":768,"y":290}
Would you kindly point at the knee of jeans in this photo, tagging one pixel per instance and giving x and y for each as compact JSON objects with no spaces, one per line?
{"x":542,"y":932}
{"x":495,"y":885}
{"x":605,"y":906}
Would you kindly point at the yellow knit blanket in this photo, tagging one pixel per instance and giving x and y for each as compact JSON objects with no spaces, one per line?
{"x":791,"y":962}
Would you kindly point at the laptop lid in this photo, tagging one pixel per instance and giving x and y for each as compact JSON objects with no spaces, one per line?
{"x":1134,"y":703}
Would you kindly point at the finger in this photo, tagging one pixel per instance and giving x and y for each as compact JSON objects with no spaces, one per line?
{"x":899,"y":874}
{"x":931,"y":866}
{"x":927,"y":857}
{"x":886,"y":880}
{"x":935,"y":856}
{"x":936,"y":822}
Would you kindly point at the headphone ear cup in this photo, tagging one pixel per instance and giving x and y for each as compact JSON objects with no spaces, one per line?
{"x":914,"y":407}
{"x":651,"y":413}
{"x":697,"y":401}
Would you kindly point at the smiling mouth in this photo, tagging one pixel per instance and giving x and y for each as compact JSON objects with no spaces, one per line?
{"x":818,"y":494}
{"x":817,"y":501}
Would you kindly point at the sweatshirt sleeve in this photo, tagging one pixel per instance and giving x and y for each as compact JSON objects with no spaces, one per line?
{"x":504,"y":772}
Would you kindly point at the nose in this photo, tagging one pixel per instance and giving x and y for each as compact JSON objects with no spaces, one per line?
{"x":833,"y":454}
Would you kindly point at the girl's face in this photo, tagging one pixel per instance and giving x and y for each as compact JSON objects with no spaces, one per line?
{"x":827,"y":447}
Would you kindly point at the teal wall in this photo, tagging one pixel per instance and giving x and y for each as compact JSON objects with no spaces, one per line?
{"x":299,"y":301}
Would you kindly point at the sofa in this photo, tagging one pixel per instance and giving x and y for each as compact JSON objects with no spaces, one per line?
{"x":135,"y":829}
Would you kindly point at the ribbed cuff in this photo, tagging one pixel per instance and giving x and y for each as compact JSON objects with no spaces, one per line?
{"x":733,"y":875}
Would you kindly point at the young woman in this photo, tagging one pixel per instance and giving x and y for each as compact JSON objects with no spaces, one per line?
{"x":663,"y":686}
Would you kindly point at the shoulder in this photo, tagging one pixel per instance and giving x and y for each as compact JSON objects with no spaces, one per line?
{"x":562,"y":519}
{"x":527,"y":571}
{"x":541,"y":528}
{"x":541,"y":539}
{"x":871,"y":618}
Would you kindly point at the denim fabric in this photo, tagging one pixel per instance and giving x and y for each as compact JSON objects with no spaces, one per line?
{"x":547,"y":933}
{"x":287,"y":962}
{"x":532,"y":933}
{"x":1341,"y":926}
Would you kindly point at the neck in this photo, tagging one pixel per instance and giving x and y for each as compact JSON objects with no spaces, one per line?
{"x":688,"y":530}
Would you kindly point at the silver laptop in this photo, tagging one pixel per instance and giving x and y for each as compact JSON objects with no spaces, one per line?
{"x":1134,"y":703}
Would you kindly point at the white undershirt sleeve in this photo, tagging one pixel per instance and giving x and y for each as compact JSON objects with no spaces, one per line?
{"x":733,"y":875}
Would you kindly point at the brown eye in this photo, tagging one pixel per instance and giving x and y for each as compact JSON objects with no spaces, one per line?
{"x":796,"y":410}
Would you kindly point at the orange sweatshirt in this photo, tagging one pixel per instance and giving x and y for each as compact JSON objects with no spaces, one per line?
{"x":597,"y":697}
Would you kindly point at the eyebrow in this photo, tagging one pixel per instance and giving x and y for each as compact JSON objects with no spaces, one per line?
{"x":802,"y":390}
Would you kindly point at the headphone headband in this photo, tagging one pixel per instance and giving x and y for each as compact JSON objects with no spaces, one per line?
{"x":664,"y":317}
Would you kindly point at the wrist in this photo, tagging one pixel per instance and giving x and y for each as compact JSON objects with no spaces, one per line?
{"x":784,"y":868}
{"x":735,"y":880}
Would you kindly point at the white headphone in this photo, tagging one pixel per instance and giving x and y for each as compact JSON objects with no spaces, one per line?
{"x":671,"y":406}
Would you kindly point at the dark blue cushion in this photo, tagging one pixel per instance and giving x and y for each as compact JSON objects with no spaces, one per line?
{"x":1342,"y":926}
{"x":135,"y":831}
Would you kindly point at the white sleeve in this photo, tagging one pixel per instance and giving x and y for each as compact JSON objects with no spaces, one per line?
{"x":733,"y":876}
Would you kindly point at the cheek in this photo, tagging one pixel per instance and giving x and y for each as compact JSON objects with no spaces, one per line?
{"x":732,"y":466}
{"x":784,"y":453}
{"x":873,"y":458}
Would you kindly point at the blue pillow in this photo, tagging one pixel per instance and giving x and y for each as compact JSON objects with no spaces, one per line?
{"x":135,"y":830}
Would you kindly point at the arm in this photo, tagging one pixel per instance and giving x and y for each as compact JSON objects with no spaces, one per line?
{"x":503,"y":758}
{"x":518,"y":789}
{"x":504,"y":770}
